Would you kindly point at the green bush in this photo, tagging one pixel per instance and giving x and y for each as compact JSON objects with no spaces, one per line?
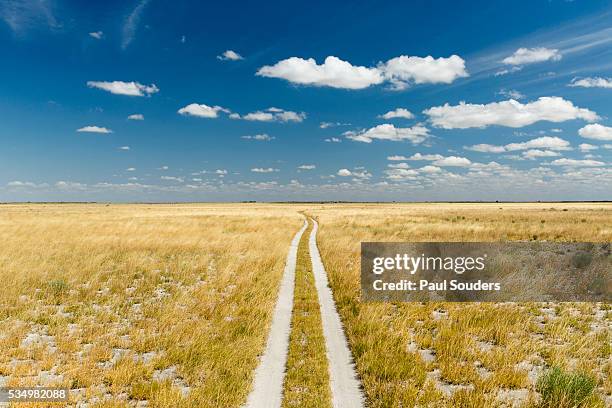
{"x":566,"y":390}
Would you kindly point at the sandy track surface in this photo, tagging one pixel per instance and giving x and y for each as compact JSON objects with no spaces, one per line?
{"x":345,"y":387}
{"x":267,"y":389}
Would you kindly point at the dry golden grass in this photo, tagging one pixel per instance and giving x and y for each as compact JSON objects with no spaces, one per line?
{"x":451,"y":354}
{"x":165,"y":303}
{"x":171,"y":304}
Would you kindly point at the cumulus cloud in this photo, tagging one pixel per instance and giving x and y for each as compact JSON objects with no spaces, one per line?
{"x":585,"y":147}
{"x":403,"y":70}
{"x":577,"y":163}
{"x":97,"y":35}
{"x":453,"y":161}
{"x":94,"y":129}
{"x":307,"y":167}
{"x":333,"y":140}
{"x":386,"y":131}
{"x":260,"y":137}
{"x":508,"y":113}
{"x":535,"y":153}
{"x":124,"y":148}
{"x":272,"y":115}
{"x":592,"y":82}
{"x":136,"y":116}
{"x":337,"y":73}
{"x":524,"y":56}
{"x":130,"y":169}
{"x":429,"y":157}
{"x":344,"y":173}
{"x":334,"y":73}
{"x":430,"y":169}
{"x":264,"y":170}
{"x":230,"y":55}
{"x":398,"y":113}
{"x":544,"y":142}
{"x":399,"y":166}
{"x":124,"y":88}
{"x":221,"y":172}
{"x":596,"y":131}
{"x":359,"y":173}
{"x":399,"y":174}
{"x":486,"y":148}
{"x":201,"y":110}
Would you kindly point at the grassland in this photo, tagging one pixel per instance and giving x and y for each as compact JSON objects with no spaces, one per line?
{"x":470,"y":355}
{"x":130,"y":305}
{"x":170,"y":305}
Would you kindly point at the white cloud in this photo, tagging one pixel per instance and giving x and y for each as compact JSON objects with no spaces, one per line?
{"x":403,"y":70}
{"x":397,"y":158}
{"x":535,"y":153}
{"x":399,"y":166}
{"x":359,"y":173}
{"x":307,"y":167}
{"x":124,"y":88}
{"x":486,"y":148}
{"x":260,"y":137}
{"x":428,"y":157}
{"x":508,"y":113}
{"x":201,"y":110}
{"x":592,"y":82}
{"x":430,"y":169}
{"x":124,"y":148}
{"x":506,"y":71}
{"x":272,"y":115}
{"x":172,"y":178}
{"x":221,"y":172}
{"x":230,"y":55}
{"x":511,"y":93}
{"x":336,"y":73}
{"x":94,"y":129}
{"x":453,"y":161}
{"x":386,"y":131}
{"x":97,"y":35}
{"x":401,"y":174}
{"x":585,"y":147}
{"x":130,"y":169}
{"x":136,"y":116}
{"x":577,"y":163}
{"x":544,"y":142}
{"x":398,"y":113}
{"x":524,"y":56}
{"x":333,"y":140}
{"x":263,"y":170}
{"x":596,"y":131}
{"x":325,"y":125}
{"x":131,"y":24}
{"x":163,"y":168}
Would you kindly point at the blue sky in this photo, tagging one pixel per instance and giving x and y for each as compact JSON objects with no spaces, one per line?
{"x":200,"y":101}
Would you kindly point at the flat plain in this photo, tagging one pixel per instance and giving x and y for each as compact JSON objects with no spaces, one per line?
{"x":170,"y":306}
